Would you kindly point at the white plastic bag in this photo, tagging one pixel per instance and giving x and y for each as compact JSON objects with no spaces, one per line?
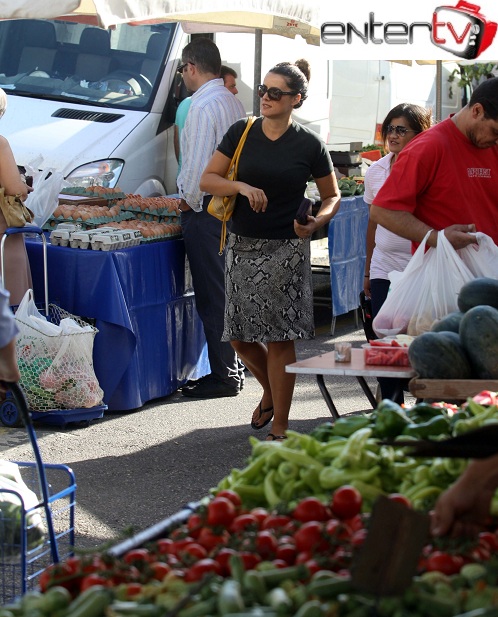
{"x":44,"y":198}
{"x":427,"y":290}
{"x":481,"y":258}
{"x":55,"y":358}
{"x":17,"y":499}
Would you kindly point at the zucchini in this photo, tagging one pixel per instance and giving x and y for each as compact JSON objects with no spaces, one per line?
{"x":230,"y":597}
{"x":92,"y":604}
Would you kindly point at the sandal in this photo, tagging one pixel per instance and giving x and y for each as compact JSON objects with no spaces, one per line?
{"x":257,"y":427}
{"x":276,"y":437}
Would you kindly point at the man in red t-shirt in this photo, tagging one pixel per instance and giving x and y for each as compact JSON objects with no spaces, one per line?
{"x":447,"y":177}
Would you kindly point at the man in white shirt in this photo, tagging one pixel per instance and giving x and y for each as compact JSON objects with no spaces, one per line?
{"x":212,"y":111}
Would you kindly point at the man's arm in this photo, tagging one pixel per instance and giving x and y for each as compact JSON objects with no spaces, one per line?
{"x":408,"y":226}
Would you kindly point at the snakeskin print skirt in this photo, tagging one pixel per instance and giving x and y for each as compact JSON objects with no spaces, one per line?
{"x":269,"y":290}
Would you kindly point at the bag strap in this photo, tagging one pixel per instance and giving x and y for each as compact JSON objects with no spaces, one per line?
{"x":235,"y":159}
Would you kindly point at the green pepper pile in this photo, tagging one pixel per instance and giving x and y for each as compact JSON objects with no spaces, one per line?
{"x":349,"y":451}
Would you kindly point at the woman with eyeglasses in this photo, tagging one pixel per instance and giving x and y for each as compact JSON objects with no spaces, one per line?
{"x":269,"y":293}
{"x":387,"y":252}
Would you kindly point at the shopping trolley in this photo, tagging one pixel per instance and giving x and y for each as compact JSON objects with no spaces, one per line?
{"x":9,"y":412}
{"x":25,"y":553}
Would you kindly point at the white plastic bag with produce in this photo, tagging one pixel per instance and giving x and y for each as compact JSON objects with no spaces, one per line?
{"x":44,"y":198}
{"x":427,"y":290}
{"x":55,"y":359}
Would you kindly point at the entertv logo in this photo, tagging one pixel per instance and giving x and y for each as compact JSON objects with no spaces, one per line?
{"x":461,"y":30}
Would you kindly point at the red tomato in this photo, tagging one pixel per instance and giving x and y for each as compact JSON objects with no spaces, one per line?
{"x":210,"y":540}
{"x":194,"y":524}
{"x":310,"y":537}
{"x":200,"y":568}
{"x":163,"y":546}
{"x":159,"y":569}
{"x":223,"y":558}
{"x":287,"y":552}
{"x":133,"y":589}
{"x":249,"y":559}
{"x":310,"y":509}
{"x":399,"y":498}
{"x":74,"y":564}
{"x":193,"y":551}
{"x":56,"y":574}
{"x":260,"y":513}
{"x":480,"y":553}
{"x":444,"y":562}
{"x":346,"y":502}
{"x":221,"y":511}
{"x":91,"y":580}
{"x":137,"y":555}
{"x":178,"y":546}
{"x":279,"y":563}
{"x":274,"y":521}
{"x":359,"y":536}
{"x":266,"y":544}
{"x":489,"y":540}
{"x":355,"y":523}
{"x":337,"y":530}
{"x":313,"y":566}
{"x":232,"y":496}
{"x":243,"y":522}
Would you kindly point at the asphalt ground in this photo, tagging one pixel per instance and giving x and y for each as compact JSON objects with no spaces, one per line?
{"x":134,"y":469}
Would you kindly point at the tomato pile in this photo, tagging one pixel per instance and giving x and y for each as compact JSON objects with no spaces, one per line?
{"x":317,"y":535}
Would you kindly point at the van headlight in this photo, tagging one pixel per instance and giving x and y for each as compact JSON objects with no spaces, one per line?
{"x":99,"y":173}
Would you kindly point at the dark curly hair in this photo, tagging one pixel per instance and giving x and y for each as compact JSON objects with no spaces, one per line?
{"x":419,"y":118}
{"x":296,"y":77}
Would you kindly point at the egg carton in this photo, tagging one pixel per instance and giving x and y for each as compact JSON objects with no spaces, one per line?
{"x":117,"y":239}
{"x":82,"y":239}
{"x":62,"y":234}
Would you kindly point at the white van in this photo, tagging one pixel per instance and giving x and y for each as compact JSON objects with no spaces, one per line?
{"x":97,"y":105}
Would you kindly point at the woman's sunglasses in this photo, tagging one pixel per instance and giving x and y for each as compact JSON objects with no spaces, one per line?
{"x":274,"y":94}
{"x":399,"y":130}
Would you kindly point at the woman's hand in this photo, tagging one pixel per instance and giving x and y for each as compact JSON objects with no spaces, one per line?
{"x":306,"y":231}
{"x":256,"y":197}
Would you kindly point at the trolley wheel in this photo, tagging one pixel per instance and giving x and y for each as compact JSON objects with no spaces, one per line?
{"x":9,"y":414}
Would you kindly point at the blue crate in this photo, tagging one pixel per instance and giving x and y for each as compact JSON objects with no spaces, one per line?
{"x":22,"y":560}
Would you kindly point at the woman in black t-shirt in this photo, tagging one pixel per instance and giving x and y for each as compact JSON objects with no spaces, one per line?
{"x":269,"y":293}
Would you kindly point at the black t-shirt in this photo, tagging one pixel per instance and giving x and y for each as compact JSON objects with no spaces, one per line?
{"x":281,"y":169}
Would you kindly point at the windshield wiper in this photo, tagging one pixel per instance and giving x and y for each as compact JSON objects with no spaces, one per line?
{"x":59,"y":97}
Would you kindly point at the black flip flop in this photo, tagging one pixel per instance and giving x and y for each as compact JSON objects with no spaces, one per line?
{"x":257,"y":427}
{"x":276,"y":437}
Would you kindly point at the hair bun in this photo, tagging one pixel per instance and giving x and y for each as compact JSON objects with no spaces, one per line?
{"x":304,"y":66}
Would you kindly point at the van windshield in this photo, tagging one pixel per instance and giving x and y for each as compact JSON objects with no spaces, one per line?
{"x":119,"y":68}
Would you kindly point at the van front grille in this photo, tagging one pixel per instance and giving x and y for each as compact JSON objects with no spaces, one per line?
{"x":90,"y":116}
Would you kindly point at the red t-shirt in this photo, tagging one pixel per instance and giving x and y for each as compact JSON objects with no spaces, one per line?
{"x":443,"y":179}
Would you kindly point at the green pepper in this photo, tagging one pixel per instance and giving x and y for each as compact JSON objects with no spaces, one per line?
{"x":390,"y":419}
{"x":438,"y":425}
{"x":323,"y":431}
{"x":422,"y":412}
{"x":344,"y":427}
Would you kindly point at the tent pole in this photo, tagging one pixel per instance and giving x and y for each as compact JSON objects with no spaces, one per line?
{"x":439,"y":90}
{"x":258,"y":46}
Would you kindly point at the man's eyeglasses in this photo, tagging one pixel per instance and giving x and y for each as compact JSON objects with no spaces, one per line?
{"x":274,"y":94}
{"x":399,"y":130}
{"x":181,"y":68}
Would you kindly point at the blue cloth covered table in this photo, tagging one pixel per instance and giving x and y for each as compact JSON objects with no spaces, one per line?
{"x":347,"y":253}
{"x":150,"y":338}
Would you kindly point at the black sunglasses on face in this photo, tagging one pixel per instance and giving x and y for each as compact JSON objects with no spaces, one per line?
{"x":274,"y":94}
{"x":399,"y":130}
{"x":181,"y":68}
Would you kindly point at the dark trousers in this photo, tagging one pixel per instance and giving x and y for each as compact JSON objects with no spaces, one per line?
{"x":390,"y":387}
{"x":201,"y":235}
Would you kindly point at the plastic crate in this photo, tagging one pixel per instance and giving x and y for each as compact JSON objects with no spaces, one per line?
{"x":21,"y":559}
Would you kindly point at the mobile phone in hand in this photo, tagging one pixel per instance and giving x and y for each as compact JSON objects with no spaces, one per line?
{"x":303,"y":211}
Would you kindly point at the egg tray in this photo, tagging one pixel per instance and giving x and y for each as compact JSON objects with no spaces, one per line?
{"x":82,"y":192}
{"x":162,"y":238}
{"x":156,"y":218}
{"x":89,"y":223}
{"x":139,"y":213}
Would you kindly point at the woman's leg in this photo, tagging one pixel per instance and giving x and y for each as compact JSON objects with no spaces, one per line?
{"x":282,"y":383}
{"x":255,"y":358}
